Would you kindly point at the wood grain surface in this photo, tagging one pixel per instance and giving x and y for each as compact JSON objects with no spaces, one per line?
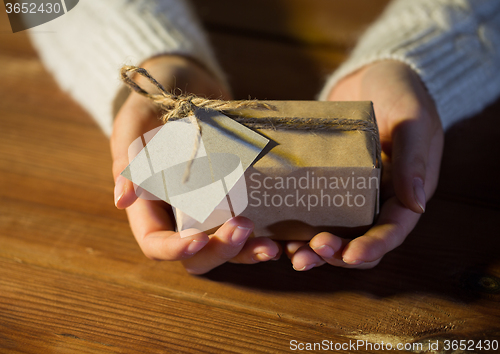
{"x":73,"y":279}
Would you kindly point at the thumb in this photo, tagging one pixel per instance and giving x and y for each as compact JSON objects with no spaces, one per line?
{"x":135,"y":118}
{"x":410,"y":152}
{"x":124,"y":192}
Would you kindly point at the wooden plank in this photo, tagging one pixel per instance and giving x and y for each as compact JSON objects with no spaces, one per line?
{"x":318,"y":22}
{"x":405,"y":297}
{"x":265,"y":69}
{"x":283,"y":49}
{"x":55,"y":310}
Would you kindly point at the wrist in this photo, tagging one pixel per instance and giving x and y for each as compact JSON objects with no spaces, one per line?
{"x":184,"y":73}
{"x":353,"y":82}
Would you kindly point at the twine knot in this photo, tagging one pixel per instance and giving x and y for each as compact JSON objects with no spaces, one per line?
{"x":181,"y":106}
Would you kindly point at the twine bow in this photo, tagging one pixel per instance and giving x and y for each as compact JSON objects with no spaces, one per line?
{"x":181,"y":106}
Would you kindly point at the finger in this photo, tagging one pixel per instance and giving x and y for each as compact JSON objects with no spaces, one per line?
{"x":292,"y":246}
{"x":305,"y":259}
{"x":417,"y":146}
{"x":394,"y":224}
{"x":135,"y":118}
{"x":223,"y":246}
{"x":258,"y":249}
{"x":152,"y":226}
{"x":323,"y":248}
{"x":409,"y":157}
{"x":434,"y":163}
{"x":330,"y":247}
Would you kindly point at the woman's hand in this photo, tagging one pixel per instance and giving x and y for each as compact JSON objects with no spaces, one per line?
{"x":412,"y":142}
{"x":151,"y":221}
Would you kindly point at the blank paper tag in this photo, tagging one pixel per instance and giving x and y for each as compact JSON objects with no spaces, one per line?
{"x":226,"y":149}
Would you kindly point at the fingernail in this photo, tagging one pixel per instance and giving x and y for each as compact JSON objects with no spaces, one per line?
{"x":352,"y":262}
{"x":324,"y":251}
{"x":240,"y":235}
{"x":262,"y":257}
{"x":419,"y":193}
{"x":304,"y":268}
{"x":195,"y":246}
{"x":119,"y":188}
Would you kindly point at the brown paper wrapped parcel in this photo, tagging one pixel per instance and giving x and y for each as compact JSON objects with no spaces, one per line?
{"x":308,"y":181}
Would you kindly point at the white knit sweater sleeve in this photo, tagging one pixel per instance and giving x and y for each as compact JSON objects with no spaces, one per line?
{"x":454,"y":45}
{"x":85,"y":48}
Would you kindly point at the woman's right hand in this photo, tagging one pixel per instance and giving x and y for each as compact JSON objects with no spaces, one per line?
{"x":152,"y":221}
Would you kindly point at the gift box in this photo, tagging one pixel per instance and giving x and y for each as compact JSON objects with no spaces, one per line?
{"x":295,"y":168}
{"x":312,"y":167}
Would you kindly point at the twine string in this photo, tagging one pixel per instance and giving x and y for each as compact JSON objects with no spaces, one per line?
{"x":182,"y":106}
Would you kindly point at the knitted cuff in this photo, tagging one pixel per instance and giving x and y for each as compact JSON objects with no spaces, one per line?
{"x":453,"y":45}
{"x":85,"y":48}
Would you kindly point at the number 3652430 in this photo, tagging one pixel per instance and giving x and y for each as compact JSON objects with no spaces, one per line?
{"x":33,"y":8}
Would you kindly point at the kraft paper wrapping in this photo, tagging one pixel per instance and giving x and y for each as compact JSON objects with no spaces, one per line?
{"x":308,"y":181}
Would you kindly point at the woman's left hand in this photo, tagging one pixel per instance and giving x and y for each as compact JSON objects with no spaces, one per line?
{"x":412,"y":142}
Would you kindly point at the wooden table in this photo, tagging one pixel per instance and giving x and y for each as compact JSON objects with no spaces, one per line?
{"x":73,"y":280}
